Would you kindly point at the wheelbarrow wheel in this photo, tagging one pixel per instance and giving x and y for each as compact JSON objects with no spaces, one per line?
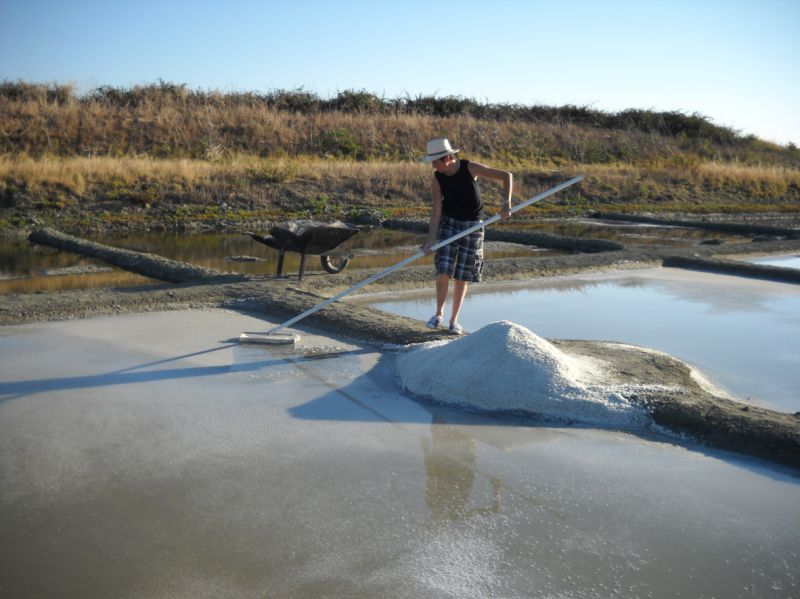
{"x":334,"y":264}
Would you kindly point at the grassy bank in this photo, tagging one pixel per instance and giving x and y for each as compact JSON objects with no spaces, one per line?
{"x":165,"y":154}
{"x":143,"y":192}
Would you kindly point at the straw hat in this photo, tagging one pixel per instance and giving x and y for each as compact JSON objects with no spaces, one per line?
{"x":438,"y":148}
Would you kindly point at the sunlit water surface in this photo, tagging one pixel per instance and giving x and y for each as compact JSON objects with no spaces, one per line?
{"x":744,"y":334}
{"x":627,"y":233}
{"x":789,"y":261}
{"x":25,"y":268}
{"x":170,"y":462}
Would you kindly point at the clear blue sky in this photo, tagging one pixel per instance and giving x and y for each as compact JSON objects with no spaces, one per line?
{"x":734,"y":61}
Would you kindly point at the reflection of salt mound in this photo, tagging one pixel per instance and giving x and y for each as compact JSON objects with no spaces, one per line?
{"x":506,"y":367}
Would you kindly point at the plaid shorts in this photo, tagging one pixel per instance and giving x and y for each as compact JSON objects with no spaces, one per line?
{"x":462,"y":259}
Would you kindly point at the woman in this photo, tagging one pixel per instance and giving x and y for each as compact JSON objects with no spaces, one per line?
{"x":457,"y":206}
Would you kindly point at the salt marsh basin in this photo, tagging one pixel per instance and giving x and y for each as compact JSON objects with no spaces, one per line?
{"x":170,"y":461}
{"x":742,"y":333}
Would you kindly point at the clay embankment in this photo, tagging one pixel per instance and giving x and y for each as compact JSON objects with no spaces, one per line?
{"x":688,"y":407}
{"x":148,"y":265}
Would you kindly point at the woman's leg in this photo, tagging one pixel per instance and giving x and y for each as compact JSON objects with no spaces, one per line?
{"x":442,"y":283}
{"x":459,"y":293}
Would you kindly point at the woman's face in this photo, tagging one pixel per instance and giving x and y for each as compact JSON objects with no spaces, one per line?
{"x":441,"y":164}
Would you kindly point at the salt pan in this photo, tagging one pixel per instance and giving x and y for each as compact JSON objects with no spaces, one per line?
{"x":506,"y":367}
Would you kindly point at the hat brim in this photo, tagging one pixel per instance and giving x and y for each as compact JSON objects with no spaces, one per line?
{"x":432,"y":157}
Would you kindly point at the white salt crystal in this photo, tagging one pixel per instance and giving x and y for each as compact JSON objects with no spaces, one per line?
{"x":506,"y":367}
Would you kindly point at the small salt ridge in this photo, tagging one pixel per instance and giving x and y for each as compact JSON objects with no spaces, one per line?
{"x":507,"y":367}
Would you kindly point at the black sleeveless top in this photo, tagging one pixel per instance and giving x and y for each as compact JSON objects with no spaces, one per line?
{"x":461,"y":196}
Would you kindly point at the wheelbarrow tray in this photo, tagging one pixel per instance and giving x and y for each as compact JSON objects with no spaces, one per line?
{"x":307,"y":237}
{"x":311,"y":237}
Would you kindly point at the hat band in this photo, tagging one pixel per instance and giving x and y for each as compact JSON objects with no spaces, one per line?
{"x":442,"y":152}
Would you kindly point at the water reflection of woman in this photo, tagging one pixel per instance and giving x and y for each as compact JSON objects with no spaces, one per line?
{"x":450,"y":460}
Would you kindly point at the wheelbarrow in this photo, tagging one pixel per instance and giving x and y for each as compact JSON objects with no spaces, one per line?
{"x":309,"y":237}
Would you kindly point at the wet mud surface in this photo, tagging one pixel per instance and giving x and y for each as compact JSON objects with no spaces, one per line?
{"x":677,"y":400}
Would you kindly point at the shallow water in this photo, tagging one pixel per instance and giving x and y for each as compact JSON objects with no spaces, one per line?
{"x":23,"y":268}
{"x":27,"y":269}
{"x":627,"y":233}
{"x":169,"y":462}
{"x":790,"y":261}
{"x":744,"y":334}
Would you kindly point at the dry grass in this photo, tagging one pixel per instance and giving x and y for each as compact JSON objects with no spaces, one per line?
{"x":385,"y":183}
{"x":163,"y":145}
{"x":75,"y":172}
{"x":168,"y":121}
{"x":360,"y":181}
{"x":761,"y":179}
